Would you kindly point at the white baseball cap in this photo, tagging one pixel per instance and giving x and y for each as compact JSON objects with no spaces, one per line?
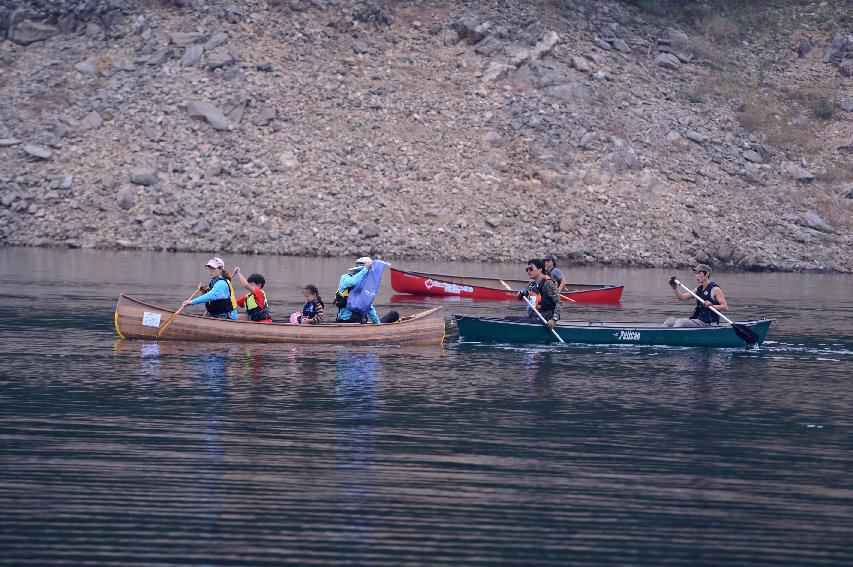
{"x":215,"y":263}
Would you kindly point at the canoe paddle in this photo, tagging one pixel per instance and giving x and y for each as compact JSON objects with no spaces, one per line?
{"x":531,"y":305}
{"x":746,"y":334}
{"x":171,"y":318}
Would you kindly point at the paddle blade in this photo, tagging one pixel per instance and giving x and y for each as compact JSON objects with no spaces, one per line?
{"x":746,"y":334}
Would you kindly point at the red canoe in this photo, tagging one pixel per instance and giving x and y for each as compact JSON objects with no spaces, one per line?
{"x":420,"y":283}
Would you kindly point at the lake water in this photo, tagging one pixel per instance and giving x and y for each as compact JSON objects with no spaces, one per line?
{"x":126,"y":453}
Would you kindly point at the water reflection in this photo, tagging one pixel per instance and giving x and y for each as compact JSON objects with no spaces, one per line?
{"x":356,"y":376}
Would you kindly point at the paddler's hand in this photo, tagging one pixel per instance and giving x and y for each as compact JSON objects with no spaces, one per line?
{"x":523,"y":293}
{"x":368,"y":264}
{"x":236,"y":270}
{"x":551,"y":323}
{"x":707,"y":303}
{"x":672,"y":283}
{"x":186,"y":302}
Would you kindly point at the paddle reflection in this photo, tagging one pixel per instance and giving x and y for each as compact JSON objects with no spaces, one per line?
{"x":356,"y":376}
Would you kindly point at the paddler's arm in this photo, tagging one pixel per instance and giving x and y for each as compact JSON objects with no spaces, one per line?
{"x":218,"y":291}
{"x":721,"y":297}
{"x":349,"y":281}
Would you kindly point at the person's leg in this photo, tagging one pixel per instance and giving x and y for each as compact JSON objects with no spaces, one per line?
{"x":689,"y":323}
{"x":670,"y":322}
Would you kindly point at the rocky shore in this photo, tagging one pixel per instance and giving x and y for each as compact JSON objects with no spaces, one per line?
{"x":453,"y":130}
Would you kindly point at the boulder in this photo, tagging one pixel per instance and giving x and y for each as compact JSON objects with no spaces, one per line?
{"x":216,"y":40}
{"x":182,"y":39}
{"x":219,"y":60}
{"x":580,"y":63}
{"x":144,"y":176}
{"x":668,"y":61}
{"x":545,"y":45}
{"x":497,"y":70}
{"x":89,"y":66}
{"x":799,"y":173}
{"x":846,"y":68}
{"x":124,"y":197}
{"x":9,"y":142}
{"x":192,"y":56}
{"x":92,"y":121}
{"x":753,"y":156}
{"x":621,"y":45}
{"x":360,"y":47}
{"x":204,"y":110}
{"x":268,"y":114}
{"x":27,"y":32}
{"x":38,"y":152}
{"x":695,"y":136}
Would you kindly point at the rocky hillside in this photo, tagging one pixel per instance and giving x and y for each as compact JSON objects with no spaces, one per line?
{"x":602,"y":131}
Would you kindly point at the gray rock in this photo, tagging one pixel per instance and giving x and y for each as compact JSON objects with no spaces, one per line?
{"x":695,"y":136}
{"x":581,"y":64}
{"x":494,"y":221}
{"x":109,"y":181}
{"x":497,"y":70}
{"x":545,"y":45}
{"x":38,"y":152}
{"x":621,"y":45}
{"x":804,"y":47}
{"x":144,"y":176}
{"x":799,"y":173}
{"x":219,"y":60}
{"x":8,"y":198}
{"x":846,"y":105}
{"x":846,"y":67}
{"x":268,"y":114}
{"x":27,"y":32}
{"x":753,"y":156}
{"x":182,"y":39}
{"x":124,"y":197}
{"x":67,"y":182}
{"x":359,"y":46}
{"x":265,"y":67}
{"x":668,"y":61}
{"x":809,"y":219}
{"x":92,"y":121}
{"x":192,"y":56}
{"x":216,"y":40}
{"x":594,"y":56}
{"x":213,"y":115}
{"x":370,"y":230}
{"x":602,"y":44}
{"x":160,"y":57}
{"x":89,"y":66}
{"x":288,"y":160}
{"x":9,"y":142}
{"x":673,"y":137}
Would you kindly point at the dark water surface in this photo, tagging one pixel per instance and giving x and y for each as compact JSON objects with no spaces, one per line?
{"x":127,"y":453}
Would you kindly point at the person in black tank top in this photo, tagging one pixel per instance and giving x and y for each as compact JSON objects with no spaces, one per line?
{"x":709,"y":291}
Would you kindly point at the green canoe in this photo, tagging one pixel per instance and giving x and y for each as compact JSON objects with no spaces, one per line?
{"x":490,"y":329}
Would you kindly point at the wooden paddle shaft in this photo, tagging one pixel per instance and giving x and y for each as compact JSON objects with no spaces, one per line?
{"x":171,"y":318}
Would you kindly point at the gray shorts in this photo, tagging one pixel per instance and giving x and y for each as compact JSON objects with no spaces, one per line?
{"x":684,"y":323}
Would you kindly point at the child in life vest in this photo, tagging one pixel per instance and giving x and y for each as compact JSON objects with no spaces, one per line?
{"x":312,"y":311}
{"x":255,"y":302}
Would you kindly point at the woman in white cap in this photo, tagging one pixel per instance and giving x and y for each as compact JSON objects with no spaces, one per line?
{"x":218,"y":296}
{"x":348,"y":281}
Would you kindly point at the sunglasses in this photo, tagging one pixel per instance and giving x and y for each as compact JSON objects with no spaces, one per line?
{"x":528,"y":269}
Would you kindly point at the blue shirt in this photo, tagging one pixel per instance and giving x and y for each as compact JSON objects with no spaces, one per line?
{"x":219,"y":290}
{"x":349,"y":281}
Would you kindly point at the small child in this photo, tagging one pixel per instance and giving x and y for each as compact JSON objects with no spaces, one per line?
{"x":312,"y":311}
{"x":257,"y":307}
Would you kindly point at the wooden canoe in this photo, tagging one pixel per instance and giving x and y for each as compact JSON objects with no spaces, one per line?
{"x":489,"y":329}
{"x":137,"y":320}
{"x":421,"y":283}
